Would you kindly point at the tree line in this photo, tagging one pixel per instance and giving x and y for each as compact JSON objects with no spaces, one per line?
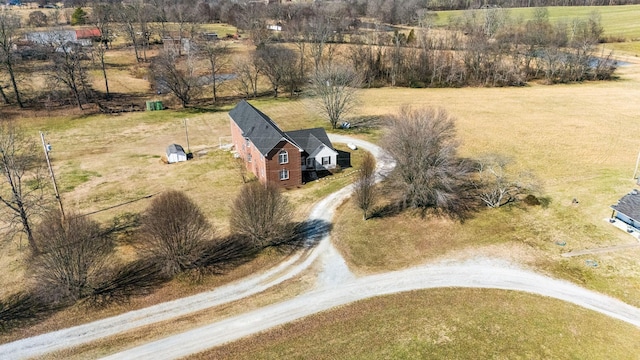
{"x":479,"y":48}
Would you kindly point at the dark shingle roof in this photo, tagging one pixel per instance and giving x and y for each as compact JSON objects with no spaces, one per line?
{"x":629,"y":205}
{"x":258,"y":127}
{"x":175,"y":149}
{"x":310,"y":139}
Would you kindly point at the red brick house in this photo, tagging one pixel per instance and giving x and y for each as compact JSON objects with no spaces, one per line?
{"x":275,"y":156}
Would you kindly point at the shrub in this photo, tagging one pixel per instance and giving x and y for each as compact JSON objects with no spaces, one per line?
{"x":174,"y":231}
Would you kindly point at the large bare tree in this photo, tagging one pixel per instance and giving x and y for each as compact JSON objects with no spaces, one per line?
{"x":217,"y":55}
{"x":262,"y":214}
{"x":22,"y":181}
{"x":69,"y":69}
{"x":74,"y":254}
{"x":177,"y":74}
{"x":336,"y":88}
{"x":174,"y":231}
{"x":278,"y":63}
{"x":428,"y":173}
{"x":9,"y":25}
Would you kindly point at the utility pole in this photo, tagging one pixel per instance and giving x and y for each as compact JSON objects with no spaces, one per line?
{"x":47,"y":148}
{"x":636,"y":170}
{"x":186,"y":131}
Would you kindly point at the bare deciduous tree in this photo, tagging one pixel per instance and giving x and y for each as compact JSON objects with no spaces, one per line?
{"x":177,"y":74}
{"x":217,"y":55}
{"x":174,"y":231}
{"x":75,"y":252}
{"x":22,"y":181}
{"x":337,"y":89}
{"x":428,"y":173}
{"x":69,"y":69}
{"x":497,"y":186}
{"x":364,"y":187}
{"x":278,"y":63}
{"x":262,"y":214}
{"x":9,"y":25}
{"x":248,"y":72}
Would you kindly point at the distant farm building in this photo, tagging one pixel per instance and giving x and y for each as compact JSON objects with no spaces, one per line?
{"x":83,"y":37}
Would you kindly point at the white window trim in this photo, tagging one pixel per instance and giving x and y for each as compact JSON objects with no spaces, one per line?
{"x":328,"y":160}
{"x":285,"y":154}
{"x":284,"y":172}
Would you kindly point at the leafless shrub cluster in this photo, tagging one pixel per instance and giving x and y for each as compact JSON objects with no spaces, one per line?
{"x":428,"y":174}
{"x":174,"y":231}
{"x":262,"y":214}
{"x":497,"y":185}
{"x":74,"y":254}
{"x":364,"y":186}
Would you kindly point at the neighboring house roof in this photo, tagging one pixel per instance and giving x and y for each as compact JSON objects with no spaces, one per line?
{"x":88,"y":33}
{"x":311,"y":139}
{"x":175,"y":149}
{"x":259,"y":128}
{"x":629,"y":205}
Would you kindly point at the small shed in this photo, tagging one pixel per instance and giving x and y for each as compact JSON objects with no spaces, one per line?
{"x":175,"y":153}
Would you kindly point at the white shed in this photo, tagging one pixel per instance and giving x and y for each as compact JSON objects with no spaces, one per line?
{"x":175,"y":153}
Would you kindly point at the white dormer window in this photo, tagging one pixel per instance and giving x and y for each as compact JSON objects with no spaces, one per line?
{"x":283,"y":157}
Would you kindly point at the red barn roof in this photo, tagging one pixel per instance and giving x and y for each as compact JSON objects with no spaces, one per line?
{"x":88,"y":33}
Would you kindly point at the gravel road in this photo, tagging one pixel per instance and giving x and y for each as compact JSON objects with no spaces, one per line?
{"x":336,"y":286}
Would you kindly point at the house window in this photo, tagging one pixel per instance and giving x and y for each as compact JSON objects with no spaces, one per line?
{"x":247,"y":143}
{"x":326,"y":160}
{"x":248,"y":157}
{"x":283,"y":157}
{"x":284,"y":174}
{"x":310,"y":162}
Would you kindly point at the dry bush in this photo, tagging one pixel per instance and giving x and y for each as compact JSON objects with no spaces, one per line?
{"x":364,"y":186}
{"x":174,"y":231}
{"x":428,"y":173}
{"x":74,"y":254}
{"x":262,"y":214}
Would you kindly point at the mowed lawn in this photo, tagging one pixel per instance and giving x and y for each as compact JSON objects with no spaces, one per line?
{"x":444,"y":324}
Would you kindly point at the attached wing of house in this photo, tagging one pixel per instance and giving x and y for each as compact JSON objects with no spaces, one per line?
{"x":320,"y":154}
{"x":628,"y":209}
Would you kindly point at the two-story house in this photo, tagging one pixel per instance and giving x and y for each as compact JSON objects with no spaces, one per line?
{"x":274,"y":156}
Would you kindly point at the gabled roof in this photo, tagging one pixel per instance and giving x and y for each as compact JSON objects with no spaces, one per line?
{"x":629,"y":205}
{"x":175,"y":149}
{"x":311,"y":139}
{"x":88,"y":33}
{"x":259,"y":128}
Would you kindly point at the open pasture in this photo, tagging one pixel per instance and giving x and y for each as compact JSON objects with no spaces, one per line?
{"x":618,"y":21}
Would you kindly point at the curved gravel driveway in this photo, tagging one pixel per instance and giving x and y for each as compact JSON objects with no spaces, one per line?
{"x":336,"y":286}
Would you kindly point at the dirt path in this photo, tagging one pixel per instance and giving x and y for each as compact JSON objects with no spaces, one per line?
{"x":600,"y":250}
{"x":336,"y":286}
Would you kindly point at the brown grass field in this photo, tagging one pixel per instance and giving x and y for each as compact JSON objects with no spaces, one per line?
{"x":578,"y":139}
